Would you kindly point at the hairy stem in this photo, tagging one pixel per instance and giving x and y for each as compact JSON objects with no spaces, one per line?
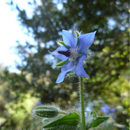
{"x":82,"y":120}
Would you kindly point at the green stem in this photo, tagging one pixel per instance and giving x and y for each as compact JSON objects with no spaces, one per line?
{"x":82,"y":120}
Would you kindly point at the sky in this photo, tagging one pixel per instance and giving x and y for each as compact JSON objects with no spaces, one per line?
{"x":10,"y":31}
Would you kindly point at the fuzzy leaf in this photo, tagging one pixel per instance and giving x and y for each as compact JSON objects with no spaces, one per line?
{"x":98,"y":121}
{"x":61,"y":63}
{"x":91,"y":117}
{"x":71,"y":119}
{"x":62,"y":127}
{"x":94,"y":120}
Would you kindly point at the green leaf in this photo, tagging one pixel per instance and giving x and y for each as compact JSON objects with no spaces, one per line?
{"x":98,"y":121}
{"x":62,"y":43}
{"x":63,"y":127}
{"x":91,"y":117}
{"x":71,"y":119}
{"x":61,"y":63}
{"x":94,"y":120}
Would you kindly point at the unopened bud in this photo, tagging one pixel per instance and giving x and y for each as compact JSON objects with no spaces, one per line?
{"x":46,"y":111}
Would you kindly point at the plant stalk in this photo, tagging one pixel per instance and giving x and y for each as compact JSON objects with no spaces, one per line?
{"x":82,"y":120}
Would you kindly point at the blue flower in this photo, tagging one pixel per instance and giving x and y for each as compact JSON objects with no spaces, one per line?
{"x":74,"y":52}
{"x":107,"y":110}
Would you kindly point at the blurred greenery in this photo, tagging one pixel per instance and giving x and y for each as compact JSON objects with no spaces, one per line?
{"x":108,"y":67}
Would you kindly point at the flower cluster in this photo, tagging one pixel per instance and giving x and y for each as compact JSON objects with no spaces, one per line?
{"x":73,"y":53}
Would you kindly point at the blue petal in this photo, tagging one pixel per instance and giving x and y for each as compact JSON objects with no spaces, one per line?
{"x":85,"y":42}
{"x":69,"y":66}
{"x":61,"y":77}
{"x":60,"y":56}
{"x":113,"y":110}
{"x":106,"y":107}
{"x":69,"y":39}
{"x":103,"y":110}
{"x":79,"y":70}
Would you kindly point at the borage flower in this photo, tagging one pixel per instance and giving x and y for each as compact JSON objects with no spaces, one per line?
{"x":73,"y":52}
{"x":107,"y":110}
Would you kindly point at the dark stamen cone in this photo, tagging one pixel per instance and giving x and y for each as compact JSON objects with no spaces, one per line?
{"x":66,"y":53}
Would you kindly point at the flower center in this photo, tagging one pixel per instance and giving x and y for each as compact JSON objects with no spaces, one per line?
{"x":74,"y":54}
{"x":71,"y":53}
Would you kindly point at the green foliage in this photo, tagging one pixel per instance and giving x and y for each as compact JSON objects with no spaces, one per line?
{"x":98,"y":121}
{"x":15,"y":106}
{"x":93,"y":120}
{"x":71,"y":119}
{"x":56,"y":119}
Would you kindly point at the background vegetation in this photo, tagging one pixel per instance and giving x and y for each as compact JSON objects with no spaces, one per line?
{"x":108,"y":67}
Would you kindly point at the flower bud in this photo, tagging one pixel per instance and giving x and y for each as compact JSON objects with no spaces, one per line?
{"x":46,"y":111}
